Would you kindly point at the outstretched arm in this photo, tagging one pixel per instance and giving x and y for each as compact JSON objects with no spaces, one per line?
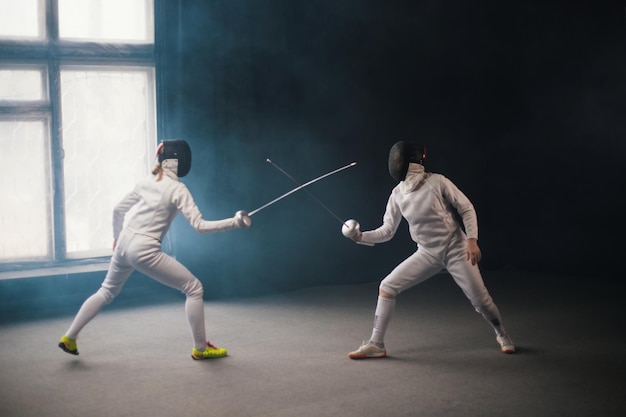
{"x":384,"y":233}
{"x":186,"y":205}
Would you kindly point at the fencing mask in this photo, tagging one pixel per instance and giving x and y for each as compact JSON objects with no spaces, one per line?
{"x":176,"y":149}
{"x":401,"y":154}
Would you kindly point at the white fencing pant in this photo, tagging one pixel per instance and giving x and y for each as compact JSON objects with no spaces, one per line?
{"x":143,"y":253}
{"x":421,"y":266}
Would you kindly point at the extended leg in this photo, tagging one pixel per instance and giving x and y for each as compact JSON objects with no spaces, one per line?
{"x":115,"y":279}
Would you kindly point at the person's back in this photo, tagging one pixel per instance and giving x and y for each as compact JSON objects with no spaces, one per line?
{"x":155,"y":208}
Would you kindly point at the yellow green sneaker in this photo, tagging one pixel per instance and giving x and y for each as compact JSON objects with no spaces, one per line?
{"x":210,"y":352}
{"x":68,"y":345}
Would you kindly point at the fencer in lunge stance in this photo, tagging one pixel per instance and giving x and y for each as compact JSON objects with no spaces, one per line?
{"x":137,"y":245}
{"x":426,"y":200}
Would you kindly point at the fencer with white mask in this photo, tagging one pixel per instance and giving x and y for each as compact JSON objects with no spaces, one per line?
{"x":427,"y":201}
{"x":157,"y":200}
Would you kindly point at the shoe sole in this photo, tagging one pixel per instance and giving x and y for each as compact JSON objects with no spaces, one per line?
{"x":65,"y":349}
{"x":202,"y":358}
{"x":380,"y":356}
{"x":210,"y":357}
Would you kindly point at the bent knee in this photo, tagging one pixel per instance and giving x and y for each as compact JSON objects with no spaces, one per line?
{"x":194,"y":289}
{"x":386,"y":293}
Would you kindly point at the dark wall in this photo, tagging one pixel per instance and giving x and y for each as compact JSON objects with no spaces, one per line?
{"x":522,"y":107}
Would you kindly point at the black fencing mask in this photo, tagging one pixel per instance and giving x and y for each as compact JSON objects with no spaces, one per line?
{"x":177,"y":149}
{"x":401,"y":154}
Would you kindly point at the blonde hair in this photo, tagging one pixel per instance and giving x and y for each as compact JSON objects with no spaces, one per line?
{"x":158,"y":171}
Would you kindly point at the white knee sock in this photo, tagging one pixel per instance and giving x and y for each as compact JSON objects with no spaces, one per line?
{"x":90,"y":309}
{"x":492,"y":315}
{"x":194,"y":308}
{"x":497,"y":327}
{"x":382,"y":317}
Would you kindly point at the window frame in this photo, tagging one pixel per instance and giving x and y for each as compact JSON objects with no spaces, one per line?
{"x":52,"y":53}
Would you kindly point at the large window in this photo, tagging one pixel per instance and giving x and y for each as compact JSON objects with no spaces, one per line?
{"x":77,"y":124}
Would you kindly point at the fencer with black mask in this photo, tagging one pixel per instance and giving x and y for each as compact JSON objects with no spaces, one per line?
{"x":427,"y":201}
{"x":157,"y":200}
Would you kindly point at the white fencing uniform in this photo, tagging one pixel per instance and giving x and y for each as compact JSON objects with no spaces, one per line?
{"x":427,"y":206}
{"x":139,"y":247}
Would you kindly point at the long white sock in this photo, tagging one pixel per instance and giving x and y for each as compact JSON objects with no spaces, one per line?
{"x":382,"y":317}
{"x":90,"y":309}
{"x":497,"y":327}
{"x":194,"y":308}
{"x":492,"y":315}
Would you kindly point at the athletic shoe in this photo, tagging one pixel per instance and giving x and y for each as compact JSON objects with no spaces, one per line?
{"x":368,"y":350}
{"x":209,"y":353}
{"x":506,"y":344}
{"x":68,"y":345}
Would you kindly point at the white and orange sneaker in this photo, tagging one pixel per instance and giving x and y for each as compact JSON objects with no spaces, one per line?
{"x":368,"y":350}
{"x":506,"y":344}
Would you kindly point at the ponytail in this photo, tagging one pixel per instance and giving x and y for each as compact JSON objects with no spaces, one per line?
{"x":158,"y":171}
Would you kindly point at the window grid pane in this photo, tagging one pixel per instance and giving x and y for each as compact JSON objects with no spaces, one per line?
{"x":109,"y":21}
{"x":108,"y":137}
{"x":22,"y":84}
{"x":21,"y":19}
{"x":25,"y":208}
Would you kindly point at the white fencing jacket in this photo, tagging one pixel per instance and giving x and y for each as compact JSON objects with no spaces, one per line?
{"x":158,"y":202}
{"x":428,"y":211}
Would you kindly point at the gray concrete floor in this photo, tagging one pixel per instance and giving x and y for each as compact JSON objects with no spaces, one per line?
{"x":288,"y":356}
